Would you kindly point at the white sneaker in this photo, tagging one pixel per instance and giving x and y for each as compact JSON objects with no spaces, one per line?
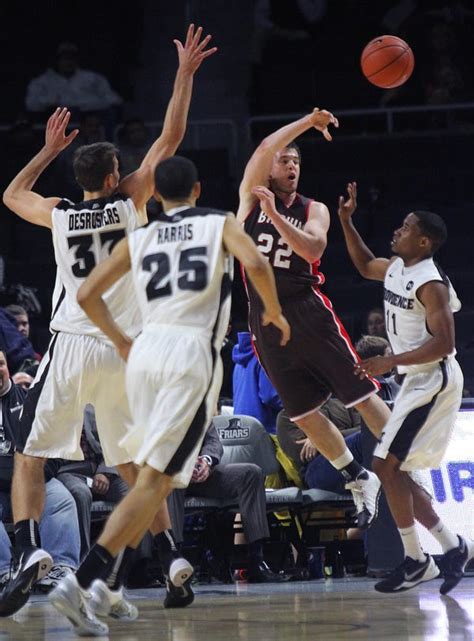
{"x":180,"y":571}
{"x":366,"y":495}
{"x":70,"y":600}
{"x":53,"y":577}
{"x":106,"y":602}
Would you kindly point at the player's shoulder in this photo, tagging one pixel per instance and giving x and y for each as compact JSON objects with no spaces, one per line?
{"x":65,"y":204}
{"x":204,"y":211}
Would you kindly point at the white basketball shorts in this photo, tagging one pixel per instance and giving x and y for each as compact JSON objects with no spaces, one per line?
{"x":76,"y":370}
{"x":173,"y":381}
{"x":423,"y":416}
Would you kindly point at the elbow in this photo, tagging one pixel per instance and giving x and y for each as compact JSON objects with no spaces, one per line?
{"x":257,"y":266}
{"x":82,"y":296}
{"x":7,"y":199}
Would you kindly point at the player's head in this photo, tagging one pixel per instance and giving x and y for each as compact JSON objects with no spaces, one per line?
{"x":420,"y":236}
{"x":285,"y":171}
{"x":376,"y":322}
{"x":96,"y":167}
{"x":176,"y":180}
{"x":21,"y":318}
{"x":4,"y":373}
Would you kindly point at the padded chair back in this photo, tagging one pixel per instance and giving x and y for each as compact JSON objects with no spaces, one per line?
{"x":245,"y":441}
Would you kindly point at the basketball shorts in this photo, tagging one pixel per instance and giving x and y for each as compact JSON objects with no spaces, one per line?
{"x":76,"y":370}
{"x":173,"y":380}
{"x":423,"y":416}
{"x":317,"y":362}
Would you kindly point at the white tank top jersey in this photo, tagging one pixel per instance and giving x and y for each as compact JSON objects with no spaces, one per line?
{"x":405,"y":315}
{"x":182,"y":272}
{"x":84,"y":234}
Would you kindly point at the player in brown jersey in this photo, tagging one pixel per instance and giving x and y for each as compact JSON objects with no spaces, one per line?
{"x":291,"y":231}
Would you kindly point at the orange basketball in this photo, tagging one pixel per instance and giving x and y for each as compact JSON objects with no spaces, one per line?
{"x":387,"y":61}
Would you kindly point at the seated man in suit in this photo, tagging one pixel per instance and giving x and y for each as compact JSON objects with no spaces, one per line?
{"x":242,"y":481}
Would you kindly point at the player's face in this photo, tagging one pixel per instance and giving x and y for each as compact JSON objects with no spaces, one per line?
{"x":4,"y":373}
{"x":285,"y":171}
{"x":407,"y":239}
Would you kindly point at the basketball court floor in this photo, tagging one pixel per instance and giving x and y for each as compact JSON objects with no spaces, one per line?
{"x":331,"y":609}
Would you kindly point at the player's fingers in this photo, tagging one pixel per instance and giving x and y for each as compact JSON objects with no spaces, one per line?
{"x":209,"y":52}
{"x":197,"y":36}
{"x":189,"y":35}
{"x":72,"y":135}
{"x":327,"y":135}
{"x":203,"y":44}
{"x":179,"y":45}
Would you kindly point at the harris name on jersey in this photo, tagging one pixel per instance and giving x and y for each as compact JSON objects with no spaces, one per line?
{"x":173,"y":233}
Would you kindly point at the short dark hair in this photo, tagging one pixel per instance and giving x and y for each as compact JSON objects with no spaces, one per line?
{"x":370,"y":346}
{"x":433,"y":226}
{"x":175,"y":177}
{"x":92,"y":163}
{"x":293,"y":145}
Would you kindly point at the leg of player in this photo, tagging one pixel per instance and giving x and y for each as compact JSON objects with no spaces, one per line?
{"x":127,"y":523}
{"x":457,"y":551}
{"x":375,"y":413}
{"x":417,"y":566}
{"x":28,"y":495}
{"x":364,"y":485}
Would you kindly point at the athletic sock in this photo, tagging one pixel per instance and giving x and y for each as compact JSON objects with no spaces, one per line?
{"x":26,"y":535}
{"x":411,"y":543}
{"x":121,"y":569}
{"x":167,"y":549}
{"x":447,"y":539}
{"x":349,"y":467}
{"x":97,"y":565}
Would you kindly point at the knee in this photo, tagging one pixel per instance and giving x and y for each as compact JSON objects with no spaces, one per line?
{"x":385,"y":469}
{"x":253,"y":474}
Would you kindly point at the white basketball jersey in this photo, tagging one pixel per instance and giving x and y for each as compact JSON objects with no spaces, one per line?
{"x":84,"y":234}
{"x":405,"y":315}
{"x":181,"y":271}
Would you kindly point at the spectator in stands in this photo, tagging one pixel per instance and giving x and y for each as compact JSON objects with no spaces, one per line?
{"x":375,"y":323}
{"x":253,"y":392}
{"x":16,"y":347}
{"x":58,"y":527}
{"x":133,"y":141}
{"x":22,"y":322}
{"x":65,"y":83}
{"x":90,"y":479}
{"x":240,"y":481}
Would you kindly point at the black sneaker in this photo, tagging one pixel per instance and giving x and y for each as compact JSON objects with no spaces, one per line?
{"x":261,"y":573}
{"x":178,"y":596}
{"x":33,"y":565}
{"x":408,"y":574}
{"x":452,"y":565}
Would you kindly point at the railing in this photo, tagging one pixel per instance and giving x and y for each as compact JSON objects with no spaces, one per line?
{"x":386,"y":114}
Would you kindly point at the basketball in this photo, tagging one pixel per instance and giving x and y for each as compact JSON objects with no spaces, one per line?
{"x":387,"y":62}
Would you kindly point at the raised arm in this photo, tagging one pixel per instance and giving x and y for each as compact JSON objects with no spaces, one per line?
{"x":309,"y":242}
{"x":364,"y":260}
{"x":89,"y":295}
{"x":238,"y":243}
{"x":18,"y":196}
{"x":140,"y":184}
{"x":258,"y":168}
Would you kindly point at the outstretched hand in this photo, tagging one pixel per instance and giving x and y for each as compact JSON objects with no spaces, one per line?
{"x":321,"y":119}
{"x":193,"y":52}
{"x":375,"y":366}
{"x":347,"y":208}
{"x":55,"y":137}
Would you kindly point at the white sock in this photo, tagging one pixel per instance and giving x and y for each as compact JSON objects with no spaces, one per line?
{"x":343,"y":460}
{"x":411,"y":543}
{"x":447,"y":539}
